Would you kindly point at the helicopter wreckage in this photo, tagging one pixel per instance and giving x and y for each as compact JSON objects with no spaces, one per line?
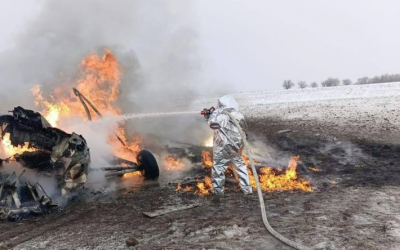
{"x":63,"y":156}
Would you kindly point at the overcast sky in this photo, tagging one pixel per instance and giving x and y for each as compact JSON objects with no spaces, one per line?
{"x":256,"y":44}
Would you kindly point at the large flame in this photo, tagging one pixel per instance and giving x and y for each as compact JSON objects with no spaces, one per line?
{"x":99,"y":82}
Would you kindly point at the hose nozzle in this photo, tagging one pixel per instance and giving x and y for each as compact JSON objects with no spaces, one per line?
{"x":207,"y":112}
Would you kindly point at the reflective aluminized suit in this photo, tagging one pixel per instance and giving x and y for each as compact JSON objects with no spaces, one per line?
{"x":227,"y":143}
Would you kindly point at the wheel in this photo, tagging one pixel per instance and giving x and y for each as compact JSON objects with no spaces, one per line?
{"x":148,"y":165}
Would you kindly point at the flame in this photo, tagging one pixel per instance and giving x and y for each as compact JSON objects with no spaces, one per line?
{"x":99,"y":82}
{"x":11,"y":150}
{"x":314,"y":169}
{"x":173,"y":164}
{"x":128,"y":175}
{"x":246,"y":160}
{"x":204,"y":188}
{"x":52,"y":111}
{"x":131,"y":148}
{"x":274,"y":180}
{"x":206,"y":159}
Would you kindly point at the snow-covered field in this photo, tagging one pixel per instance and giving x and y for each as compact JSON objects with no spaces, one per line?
{"x":375,"y":106}
{"x":263,"y":103}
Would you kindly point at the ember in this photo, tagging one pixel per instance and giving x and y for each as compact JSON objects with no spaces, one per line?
{"x":314,"y":169}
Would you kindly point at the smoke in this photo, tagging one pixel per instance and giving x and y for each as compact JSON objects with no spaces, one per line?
{"x":155,"y":43}
{"x":268,"y":155}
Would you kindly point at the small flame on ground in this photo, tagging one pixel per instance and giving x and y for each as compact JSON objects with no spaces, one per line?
{"x":206,"y":159}
{"x":11,"y":150}
{"x":314,"y":169}
{"x":204,"y":188}
{"x":173,"y":164}
{"x":128,"y":175}
{"x":272,"y":180}
{"x":246,"y":160}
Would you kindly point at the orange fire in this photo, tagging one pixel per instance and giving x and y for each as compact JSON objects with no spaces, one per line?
{"x":11,"y":150}
{"x":206,"y":159}
{"x":127,"y":175}
{"x":314,"y":169}
{"x":172,"y":163}
{"x":275,"y":180}
{"x":204,"y":188}
{"x":99,"y":82}
{"x":246,"y":160}
{"x":271,"y":179}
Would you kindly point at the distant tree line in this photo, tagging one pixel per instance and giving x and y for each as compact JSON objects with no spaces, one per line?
{"x":330,"y":82}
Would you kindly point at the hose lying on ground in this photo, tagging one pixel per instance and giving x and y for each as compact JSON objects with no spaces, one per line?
{"x":260,"y":195}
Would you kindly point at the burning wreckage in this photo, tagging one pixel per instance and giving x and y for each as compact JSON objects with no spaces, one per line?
{"x":50,"y":150}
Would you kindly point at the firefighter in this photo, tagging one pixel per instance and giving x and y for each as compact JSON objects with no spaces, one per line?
{"x":227,"y":145}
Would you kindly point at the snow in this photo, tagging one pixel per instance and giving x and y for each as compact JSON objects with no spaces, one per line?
{"x":247,"y":99}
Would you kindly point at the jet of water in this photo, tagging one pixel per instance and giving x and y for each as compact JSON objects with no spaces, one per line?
{"x":112,"y":118}
{"x":160,"y":114}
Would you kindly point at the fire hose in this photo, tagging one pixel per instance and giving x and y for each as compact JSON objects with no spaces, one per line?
{"x":274,"y":233}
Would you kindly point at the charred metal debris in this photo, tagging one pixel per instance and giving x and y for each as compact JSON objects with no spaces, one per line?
{"x":64,"y":156}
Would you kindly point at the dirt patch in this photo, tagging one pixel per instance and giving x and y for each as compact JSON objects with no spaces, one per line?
{"x":354,"y":205}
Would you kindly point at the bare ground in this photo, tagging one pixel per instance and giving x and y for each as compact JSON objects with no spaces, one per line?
{"x":354,"y":205}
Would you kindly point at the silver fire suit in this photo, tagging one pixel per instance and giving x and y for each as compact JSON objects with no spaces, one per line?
{"x":227,"y":144}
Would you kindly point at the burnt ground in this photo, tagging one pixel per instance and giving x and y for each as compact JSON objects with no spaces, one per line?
{"x":354,"y":205}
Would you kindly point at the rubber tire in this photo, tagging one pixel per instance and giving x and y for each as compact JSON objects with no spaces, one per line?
{"x":148,"y":165}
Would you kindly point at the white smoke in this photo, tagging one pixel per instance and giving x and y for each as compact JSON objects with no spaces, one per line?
{"x":155,"y":42}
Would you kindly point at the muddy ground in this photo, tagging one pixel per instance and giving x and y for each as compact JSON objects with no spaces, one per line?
{"x":354,"y":205}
